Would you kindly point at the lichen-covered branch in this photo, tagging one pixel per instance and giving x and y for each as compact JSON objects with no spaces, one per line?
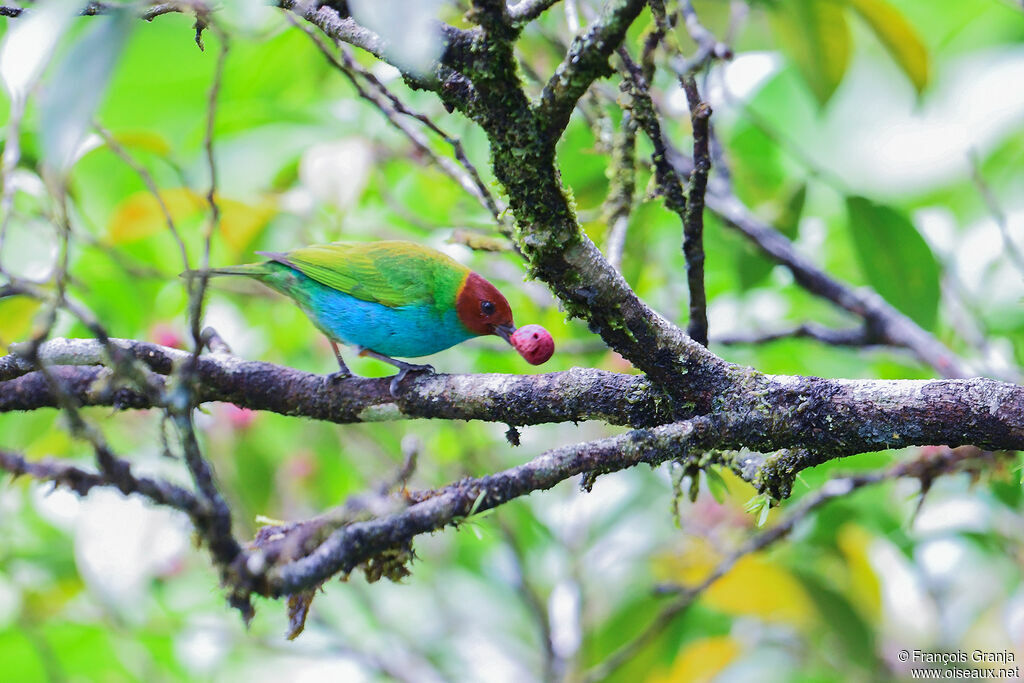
{"x":82,"y":481}
{"x":351,"y":545}
{"x":586,"y":61}
{"x":575,"y":395}
{"x":813,"y":419}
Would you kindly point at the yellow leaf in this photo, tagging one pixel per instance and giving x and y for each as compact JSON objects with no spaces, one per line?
{"x":689,"y":567}
{"x":854,"y":542}
{"x":757,"y":587}
{"x":899,"y":38}
{"x":140,"y":215}
{"x":240,"y":223}
{"x":16,"y":313}
{"x":816,"y":37}
{"x":144,"y":140}
{"x":701,"y":660}
{"x":50,"y":443}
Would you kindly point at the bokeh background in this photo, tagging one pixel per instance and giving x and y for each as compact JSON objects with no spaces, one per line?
{"x":925,"y":117}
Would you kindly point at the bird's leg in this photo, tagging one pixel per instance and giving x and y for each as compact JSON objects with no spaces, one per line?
{"x":403,"y":367}
{"x":343,"y":371}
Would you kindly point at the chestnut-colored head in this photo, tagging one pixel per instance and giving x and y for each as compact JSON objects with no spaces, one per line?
{"x":483,"y":309}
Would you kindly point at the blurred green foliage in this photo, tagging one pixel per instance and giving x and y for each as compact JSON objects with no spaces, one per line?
{"x":101,"y":589}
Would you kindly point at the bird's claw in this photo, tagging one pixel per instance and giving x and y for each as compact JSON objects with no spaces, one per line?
{"x":339,"y":376}
{"x":402,"y":372}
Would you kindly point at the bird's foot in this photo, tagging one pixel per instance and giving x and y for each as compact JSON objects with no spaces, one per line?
{"x":339,"y":376}
{"x":403,"y":370}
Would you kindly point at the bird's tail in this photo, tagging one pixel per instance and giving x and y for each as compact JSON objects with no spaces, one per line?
{"x":256,"y":270}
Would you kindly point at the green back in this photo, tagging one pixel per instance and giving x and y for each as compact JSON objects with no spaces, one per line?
{"x":392,"y":273}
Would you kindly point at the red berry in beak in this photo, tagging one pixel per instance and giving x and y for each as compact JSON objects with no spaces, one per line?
{"x":533,"y":343}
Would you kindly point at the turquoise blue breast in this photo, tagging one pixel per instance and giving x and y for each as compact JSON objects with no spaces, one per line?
{"x":403,"y":332}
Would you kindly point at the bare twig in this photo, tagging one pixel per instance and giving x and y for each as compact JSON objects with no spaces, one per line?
{"x":998,"y":215}
{"x":887,"y":324}
{"x":146,"y":12}
{"x":708,"y":47}
{"x":855,"y":336}
{"x":693,"y":230}
{"x":8,"y":162}
{"x":82,"y":481}
{"x":150,"y":184}
{"x":391,"y":106}
{"x":356,"y":543}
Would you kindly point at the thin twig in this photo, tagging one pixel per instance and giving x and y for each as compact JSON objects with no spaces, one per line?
{"x":8,"y":162}
{"x":854,"y":336}
{"x":622,"y":188}
{"x":391,"y":106}
{"x":148,"y":13}
{"x":147,"y":180}
{"x":924,"y":468}
{"x":708,"y":47}
{"x":998,"y":215}
{"x":199,"y":282}
{"x":82,"y":481}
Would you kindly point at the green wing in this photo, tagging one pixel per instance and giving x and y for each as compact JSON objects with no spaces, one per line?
{"x":392,"y":273}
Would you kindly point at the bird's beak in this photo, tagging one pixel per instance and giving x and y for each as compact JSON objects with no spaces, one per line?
{"x":505,"y":332}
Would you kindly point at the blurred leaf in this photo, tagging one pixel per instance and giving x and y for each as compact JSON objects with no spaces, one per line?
{"x":22,"y":657}
{"x":689,"y":567}
{"x":758,"y":587}
{"x":759,"y":505}
{"x":140,"y":215}
{"x":16,"y":315}
{"x":240,"y":223}
{"x":75,"y":89}
{"x":85,"y":649}
{"x":854,"y":541}
{"x":716,"y":484}
{"x":146,"y":140}
{"x":816,"y":37}
{"x":895,"y":259}
{"x":757,"y":165}
{"x":30,"y":42}
{"x":843,"y":620}
{"x":899,"y":38}
{"x":752,"y":265}
{"x":701,"y":660}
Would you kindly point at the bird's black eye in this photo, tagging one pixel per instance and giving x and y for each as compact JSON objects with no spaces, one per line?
{"x":487,"y":308}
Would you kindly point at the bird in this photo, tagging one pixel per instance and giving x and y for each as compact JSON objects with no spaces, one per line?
{"x":392,"y":298}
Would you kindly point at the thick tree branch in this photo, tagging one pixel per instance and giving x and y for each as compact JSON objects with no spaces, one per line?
{"x":575,"y":395}
{"x":819,"y":419}
{"x":526,"y":11}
